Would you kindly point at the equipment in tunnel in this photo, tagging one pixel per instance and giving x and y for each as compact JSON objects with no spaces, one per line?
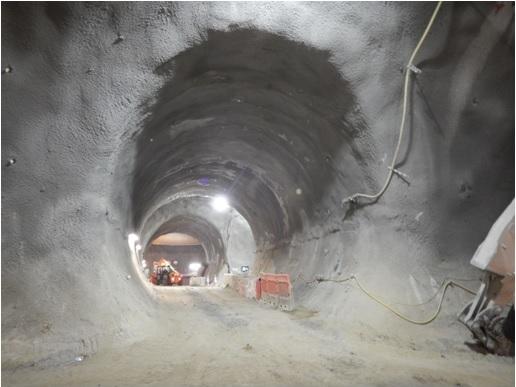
{"x":164,"y":274}
{"x":492,"y":309}
{"x":174,"y":259}
{"x":225,"y":236}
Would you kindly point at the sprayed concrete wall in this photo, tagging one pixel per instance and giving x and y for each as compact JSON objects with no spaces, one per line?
{"x":113,"y":111}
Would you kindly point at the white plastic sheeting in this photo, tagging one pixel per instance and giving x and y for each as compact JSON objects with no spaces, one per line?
{"x":488,"y":248}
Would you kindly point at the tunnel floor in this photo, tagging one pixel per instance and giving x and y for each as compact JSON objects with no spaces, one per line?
{"x":213,"y":337}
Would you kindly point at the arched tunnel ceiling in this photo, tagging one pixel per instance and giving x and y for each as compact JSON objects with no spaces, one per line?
{"x":176,"y":239}
{"x":226,"y":236}
{"x":114,"y":110}
{"x":255,"y":116}
{"x":202,"y":230}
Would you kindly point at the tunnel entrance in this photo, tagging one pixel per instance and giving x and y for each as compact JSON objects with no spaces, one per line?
{"x":175,"y":259}
{"x":195,"y":242}
{"x":259,"y":118}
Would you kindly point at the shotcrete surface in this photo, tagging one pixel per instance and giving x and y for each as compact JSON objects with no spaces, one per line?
{"x":116,"y":112}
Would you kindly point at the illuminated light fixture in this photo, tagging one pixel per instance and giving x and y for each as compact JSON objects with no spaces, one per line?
{"x":220,"y":203}
{"x":194,"y":266}
{"x":138,"y":247}
{"x":131,"y":239}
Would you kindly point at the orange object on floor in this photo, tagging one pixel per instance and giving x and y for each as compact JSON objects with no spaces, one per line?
{"x":275,"y":289}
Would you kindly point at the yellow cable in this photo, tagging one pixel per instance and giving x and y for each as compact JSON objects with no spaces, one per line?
{"x":438,"y":291}
{"x":353,"y":197}
{"x":408,"y":319}
{"x":444,"y":286}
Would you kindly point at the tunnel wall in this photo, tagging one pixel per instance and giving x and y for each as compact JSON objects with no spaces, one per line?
{"x":80,"y":95}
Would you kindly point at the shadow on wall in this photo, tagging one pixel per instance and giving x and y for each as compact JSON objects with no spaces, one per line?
{"x":474,"y":119}
{"x":256,"y":116}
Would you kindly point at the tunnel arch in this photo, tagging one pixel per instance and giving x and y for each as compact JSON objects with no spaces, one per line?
{"x":226,"y":236}
{"x":266,"y":127}
{"x":205,"y":232}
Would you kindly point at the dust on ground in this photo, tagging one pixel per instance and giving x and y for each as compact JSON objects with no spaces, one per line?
{"x":213,"y":337}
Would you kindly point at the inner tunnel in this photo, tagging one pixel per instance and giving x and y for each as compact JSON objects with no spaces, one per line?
{"x":181,"y":193}
{"x":255,"y":118}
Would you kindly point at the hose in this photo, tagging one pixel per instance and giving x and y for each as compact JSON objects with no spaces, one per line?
{"x":438,"y":291}
{"x":444,"y":286}
{"x":408,"y":70}
{"x":408,"y":319}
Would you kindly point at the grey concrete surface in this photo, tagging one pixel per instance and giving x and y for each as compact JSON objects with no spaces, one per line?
{"x":114,"y":111}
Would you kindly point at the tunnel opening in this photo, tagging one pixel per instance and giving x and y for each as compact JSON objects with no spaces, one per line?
{"x":219,"y":239}
{"x":260,"y":119}
{"x":174,"y":259}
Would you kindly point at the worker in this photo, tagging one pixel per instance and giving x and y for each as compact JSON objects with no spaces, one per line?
{"x":164,"y":276}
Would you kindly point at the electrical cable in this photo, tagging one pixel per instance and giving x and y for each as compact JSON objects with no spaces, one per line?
{"x":444,"y":287}
{"x":408,"y":319}
{"x":408,"y":70}
{"x":437,"y":292}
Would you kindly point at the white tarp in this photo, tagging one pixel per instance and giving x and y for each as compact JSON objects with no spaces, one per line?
{"x":488,"y":248}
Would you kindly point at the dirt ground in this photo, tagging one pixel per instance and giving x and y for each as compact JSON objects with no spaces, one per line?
{"x":212,"y":337}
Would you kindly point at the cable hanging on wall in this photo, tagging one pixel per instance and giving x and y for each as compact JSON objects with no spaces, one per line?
{"x":410,"y":68}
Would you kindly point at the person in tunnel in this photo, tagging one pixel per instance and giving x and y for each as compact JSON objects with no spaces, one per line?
{"x":166,"y":276}
{"x":162,"y":276}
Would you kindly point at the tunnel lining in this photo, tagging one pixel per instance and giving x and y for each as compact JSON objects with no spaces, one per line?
{"x":267,"y":123}
{"x":73,"y":109}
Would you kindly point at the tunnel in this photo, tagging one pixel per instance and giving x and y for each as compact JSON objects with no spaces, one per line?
{"x":229,"y":141}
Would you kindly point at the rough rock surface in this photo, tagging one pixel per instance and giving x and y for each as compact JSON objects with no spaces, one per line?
{"x":114,"y":110}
